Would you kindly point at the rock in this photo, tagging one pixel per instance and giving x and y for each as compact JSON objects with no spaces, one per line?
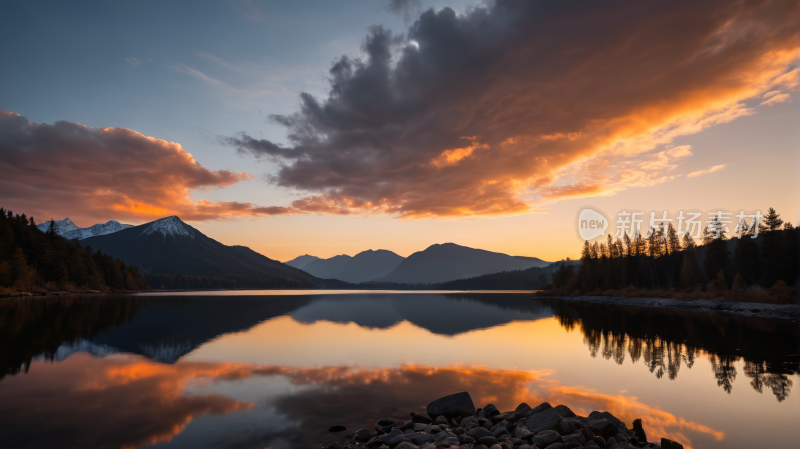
{"x":465,"y":439}
{"x":522,"y":408}
{"x":453,"y":406}
{"x":500,"y":430}
{"x":591,"y":445}
{"x":420,"y":418}
{"x":565,"y":427}
{"x":613,"y":419}
{"x":458,"y":431}
{"x":564,"y":411}
{"x":602,"y":427}
{"x":447,"y":442}
{"x":546,"y":438}
{"x":334,"y":446}
{"x":587,"y":433}
{"x":337,"y":428}
{"x":479,"y":432}
{"x":375,"y":443}
{"x":362,"y":435}
{"x":419,"y":438}
{"x":406,"y":445}
{"x":669,"y":444}
{"x":468,"y":420}
{"x":491,"y":410}
{"x":408,"y":425}
{"x":433,"y":429}
{"x":611,"y":441}
{"x":441,"y":419}
{"x":522,"y":433}
{"x":621,"y":438}
{"x":638,"y":429}
{"x":418,"y":427}
{"x":541,"y":407}
{"x":563,"y":446}
{"x":600,"y":441}
{"x":633,"y":441}
{"x":392,"y":438}
{"x":487,"y":441}
{"x":576,"y":437}
{"x":385,"y":425}
{"x":508,"y":416}
{"x":545,"y":420}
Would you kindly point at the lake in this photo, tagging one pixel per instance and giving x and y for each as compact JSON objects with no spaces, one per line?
{"x":277,"y":369}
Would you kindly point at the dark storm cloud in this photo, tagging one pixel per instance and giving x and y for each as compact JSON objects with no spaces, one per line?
{"x":513,"y":103}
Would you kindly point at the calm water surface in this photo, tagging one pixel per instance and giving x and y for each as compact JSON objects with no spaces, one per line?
{"x":255,"y":370}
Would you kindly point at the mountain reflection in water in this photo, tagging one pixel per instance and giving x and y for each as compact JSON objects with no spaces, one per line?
{"x":277,"y":371}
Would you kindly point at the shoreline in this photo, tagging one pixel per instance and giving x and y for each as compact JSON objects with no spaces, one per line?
{"x":754,"y":309}
{"x":453,"y":422}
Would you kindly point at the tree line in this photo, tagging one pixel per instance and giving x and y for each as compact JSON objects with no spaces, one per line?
{"x":664,"y":260}
{"x":233,"y":282}
{"x":36,"y":261}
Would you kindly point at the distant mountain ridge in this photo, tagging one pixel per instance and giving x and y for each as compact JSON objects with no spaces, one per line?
{"x":437,"y":263}
{"x":301,"y":261}
{"x":170,"y":246}
{"x":363,"y":267}
{"x":448,"y":262}
{"x":67,"y":229}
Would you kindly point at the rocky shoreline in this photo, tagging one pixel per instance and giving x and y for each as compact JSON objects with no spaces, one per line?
{"x":779,"y":311}
{"x":453,"y":422}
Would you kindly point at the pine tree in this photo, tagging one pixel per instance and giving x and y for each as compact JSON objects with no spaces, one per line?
{"x":773,"y":250}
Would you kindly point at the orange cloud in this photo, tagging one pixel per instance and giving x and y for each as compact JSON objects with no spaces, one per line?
{"x":94,"y":174}
{"x":713,"y":169}
{"x":564,"y":103}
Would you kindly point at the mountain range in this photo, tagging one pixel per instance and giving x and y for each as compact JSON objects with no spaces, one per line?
{"x":67,"y":229}
{"x":437,"y":263}
{"x":170,"y":246}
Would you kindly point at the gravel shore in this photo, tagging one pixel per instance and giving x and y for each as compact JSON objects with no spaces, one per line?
{"x":780,"y":311}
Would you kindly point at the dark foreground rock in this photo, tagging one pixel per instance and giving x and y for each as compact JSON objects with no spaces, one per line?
{"x":454,"y":423}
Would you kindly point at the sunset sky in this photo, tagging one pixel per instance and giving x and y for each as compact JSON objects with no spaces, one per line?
{"x":330,"y":128}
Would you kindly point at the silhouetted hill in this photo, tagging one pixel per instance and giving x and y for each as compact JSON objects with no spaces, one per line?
{"x":170,"y":246}
{"x":301,"y":261}
{"x":448,"y":261}
{"x":364,"y":266}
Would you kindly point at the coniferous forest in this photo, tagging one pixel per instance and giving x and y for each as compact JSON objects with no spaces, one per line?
{"x":36,"y":261}
{"x":663,"y":263}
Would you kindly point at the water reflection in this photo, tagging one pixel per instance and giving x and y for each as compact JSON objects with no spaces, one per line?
{"x":665,"y":340}
{"x":277,"y":371}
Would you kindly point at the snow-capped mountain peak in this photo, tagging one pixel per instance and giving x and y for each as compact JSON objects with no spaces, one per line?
{"x":66,"y":228}
{"x":170,"y":226}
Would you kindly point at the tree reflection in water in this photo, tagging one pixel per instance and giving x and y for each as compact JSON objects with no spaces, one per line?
{"x":665,"y":339}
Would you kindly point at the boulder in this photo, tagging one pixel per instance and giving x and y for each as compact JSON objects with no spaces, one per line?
{"x":362,"y":435}
{"x":418,"y":427}
{"x":522,"y":433}
{"x":669,"y":444}
{"x":545,"y":438}
{"x":576,"y":437}
{"x":447,"y":442}
{"x":541,"y":407}
{"x":467,"y":420}
{"x":600,"y":441}
{"x":565,"y":427}
{"x":406,"y":445}
{"x":453,"y":406}
{"x":479,"y":432}
{"x":638,"y":429}
{"x":491,"y":410}
{"x":419,"y":438}
{"x":420,"y":418}
{"x":465,"y":439}
{"x":408,"y":425}
{"x":487,"y":441}
{"x":602,"y":427}
{"x":564,"y":411}
{"x":440,"y":420}
{"x":587,"y":433}
{"x":385,"y":425}
{"x":591,"y":445}
{"x":621,"y":438}
{"x":545,"y":420}
{"x":337,"y":429}
{"x":522,"y":408}
{"x":613,"y":419}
